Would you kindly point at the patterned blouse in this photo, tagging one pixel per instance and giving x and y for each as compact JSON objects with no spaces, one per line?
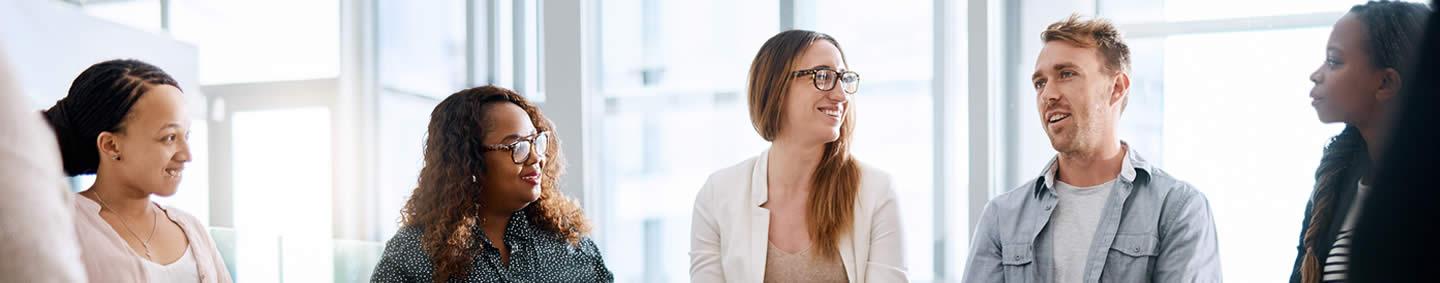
{"x":535,"y":256}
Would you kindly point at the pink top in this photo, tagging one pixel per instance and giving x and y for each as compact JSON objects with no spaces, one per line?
{"x":108,"y":258}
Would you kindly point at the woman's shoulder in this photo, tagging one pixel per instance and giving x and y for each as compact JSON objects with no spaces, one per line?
{"x":180,"y":215}
{"x":734,"y":173}
{"x":875,"y":181}
{"x":730,"y":178}
{"x":407,"y":236}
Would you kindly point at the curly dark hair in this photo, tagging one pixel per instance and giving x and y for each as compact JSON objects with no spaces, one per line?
{"x":447,"y":202}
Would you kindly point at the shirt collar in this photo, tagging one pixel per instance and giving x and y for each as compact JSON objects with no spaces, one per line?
{"x":1130,"y":166}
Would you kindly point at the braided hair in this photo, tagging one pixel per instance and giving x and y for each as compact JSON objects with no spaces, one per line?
{"x":98,"y":101}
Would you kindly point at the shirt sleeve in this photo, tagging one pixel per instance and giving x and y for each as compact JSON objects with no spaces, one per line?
{"x":1189,"y":251}
{"x":705,"y":241}
{"x":887,"y":241}
{"x":400,"y":261}
{"x":602,"y":273}
{"x":984,"y":261}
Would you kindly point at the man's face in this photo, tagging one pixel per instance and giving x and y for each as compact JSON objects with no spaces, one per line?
{"x":1078,"y":98}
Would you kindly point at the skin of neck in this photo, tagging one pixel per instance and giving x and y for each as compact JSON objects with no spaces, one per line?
{"x":791,"y":166}
{"x":1092,"y":166}
{"x":1374,"y":135}
{"x":127,"y":201}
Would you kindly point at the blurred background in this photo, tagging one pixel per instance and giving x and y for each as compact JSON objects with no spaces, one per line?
{"x":310,"y":115}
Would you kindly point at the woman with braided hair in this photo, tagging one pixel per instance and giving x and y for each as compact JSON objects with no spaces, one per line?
{"x":1366,"y":62}
{"x":125,"y":122}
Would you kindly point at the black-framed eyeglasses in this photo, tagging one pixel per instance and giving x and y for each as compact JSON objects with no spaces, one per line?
{"x":825,"y":79}
{"x":520,"y":148}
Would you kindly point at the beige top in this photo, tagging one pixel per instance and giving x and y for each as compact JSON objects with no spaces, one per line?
{"x":107,"y":256}
{"x":729,"y":229}
{"x":801,"y":266}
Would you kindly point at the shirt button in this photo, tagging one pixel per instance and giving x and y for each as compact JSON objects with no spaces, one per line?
{"x":1048,"y":207}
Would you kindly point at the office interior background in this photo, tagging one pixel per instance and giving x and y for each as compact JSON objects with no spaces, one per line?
{"x":309,"y":116}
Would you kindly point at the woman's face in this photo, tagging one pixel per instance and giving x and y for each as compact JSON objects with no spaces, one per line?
{"x":509,"y":185}
{"x":1347,"y":85}
{"x":154,"y":143}
{"x":812,"y":115}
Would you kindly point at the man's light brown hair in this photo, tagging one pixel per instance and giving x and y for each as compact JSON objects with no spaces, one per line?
{"x":1094,"y":33}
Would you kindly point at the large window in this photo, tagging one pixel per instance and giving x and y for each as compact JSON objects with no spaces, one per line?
{"x":894,"y":130}
{"x":260,"y":40}
{"x":673,"y":79}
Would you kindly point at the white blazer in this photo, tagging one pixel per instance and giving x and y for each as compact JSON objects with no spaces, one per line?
{"x":730,"y":231}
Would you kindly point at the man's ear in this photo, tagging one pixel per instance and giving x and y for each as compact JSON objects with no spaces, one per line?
{"x":1390,"y":82}
{"x":1121,"y":88}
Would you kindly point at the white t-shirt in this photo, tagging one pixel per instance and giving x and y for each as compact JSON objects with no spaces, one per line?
{"x":1076,"y":216}
{"x":182,"y":270}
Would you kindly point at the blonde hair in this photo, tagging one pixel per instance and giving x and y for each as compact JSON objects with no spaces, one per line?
{"x":837,"y":178}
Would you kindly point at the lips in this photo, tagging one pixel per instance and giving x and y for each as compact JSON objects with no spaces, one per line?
{"x":1056,"y":117}
{"x":173,"y":172}
{"x":533,"y":177}
{"x":832,"y":111}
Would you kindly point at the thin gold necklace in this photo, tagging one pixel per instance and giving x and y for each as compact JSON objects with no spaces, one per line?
{"x":154,"y":223}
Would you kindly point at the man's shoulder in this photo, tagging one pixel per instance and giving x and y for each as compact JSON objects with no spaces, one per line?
{"x":1015,"y":197}
{"x":1172,"y":189}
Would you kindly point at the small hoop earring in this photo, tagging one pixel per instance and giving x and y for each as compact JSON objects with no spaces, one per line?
{"x":115,"y":157}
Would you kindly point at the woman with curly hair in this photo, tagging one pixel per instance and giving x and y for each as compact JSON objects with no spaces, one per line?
{"x":488,"y":208}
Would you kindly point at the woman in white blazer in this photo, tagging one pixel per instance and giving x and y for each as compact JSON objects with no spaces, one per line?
{"x":805,"y":210}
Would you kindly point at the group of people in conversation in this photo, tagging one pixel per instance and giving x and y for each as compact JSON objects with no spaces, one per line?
{"x":488,"y":206}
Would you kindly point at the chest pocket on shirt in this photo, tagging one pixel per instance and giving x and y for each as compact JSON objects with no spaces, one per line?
{"x":1131,"y":258}
{"x":1017,"y":261}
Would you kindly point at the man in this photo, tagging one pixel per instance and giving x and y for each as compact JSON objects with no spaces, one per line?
{"x":1098,"y":212}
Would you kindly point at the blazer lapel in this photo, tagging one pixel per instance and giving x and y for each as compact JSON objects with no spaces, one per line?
{"x":759,"y":220}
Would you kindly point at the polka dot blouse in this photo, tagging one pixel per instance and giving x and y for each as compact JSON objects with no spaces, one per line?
{"x":535,"y":256}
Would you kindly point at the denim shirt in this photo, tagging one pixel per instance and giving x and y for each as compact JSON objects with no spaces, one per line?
{"x":1154,"y":228}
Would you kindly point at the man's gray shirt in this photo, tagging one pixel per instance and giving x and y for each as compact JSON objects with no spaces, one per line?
{"x":1074,"y":221}
{"x":1153,"y":228}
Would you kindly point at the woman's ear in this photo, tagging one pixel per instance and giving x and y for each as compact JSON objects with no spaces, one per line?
{"x":109,"y":145}
{"x":1390,"y":83}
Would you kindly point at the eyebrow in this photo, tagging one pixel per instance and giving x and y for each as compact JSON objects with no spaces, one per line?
{"x":513,"y":137}
{"x":821,"y":67}
{"x":1057,"y":67}
{"x":171,"y":125}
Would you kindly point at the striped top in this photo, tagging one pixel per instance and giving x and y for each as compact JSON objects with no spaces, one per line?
{"x":1338,"y":262}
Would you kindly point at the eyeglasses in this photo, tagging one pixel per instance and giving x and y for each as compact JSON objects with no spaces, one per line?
{"x":520,"y":149}
{"x":825,"y":78}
